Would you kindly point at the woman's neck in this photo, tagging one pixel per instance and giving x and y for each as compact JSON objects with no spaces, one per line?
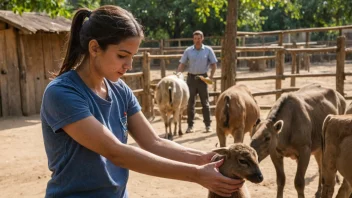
{"x":90,"y":77}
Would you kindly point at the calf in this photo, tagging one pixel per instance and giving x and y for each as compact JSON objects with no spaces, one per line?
{"x":240,"y":162}
{"x":293,"y":129}
{"x":236,"y":113}
{"x":171,"y":95}
{"x":337,"y":147}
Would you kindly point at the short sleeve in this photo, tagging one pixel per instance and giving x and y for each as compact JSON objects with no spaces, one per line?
{"x":133,"y":105}
{"x":184,"y":57}
{"x":63,"y":105}
{"x":212,"y":57}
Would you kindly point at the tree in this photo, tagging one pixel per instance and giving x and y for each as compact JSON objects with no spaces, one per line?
{"x":229,"y":54}
{"x":228,"y":66}
{"x":249,"y":15}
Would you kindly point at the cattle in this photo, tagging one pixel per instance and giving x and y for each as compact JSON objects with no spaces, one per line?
{"x":293,"y":129}
{"x":171,"y":96}
{"x":337,"y":147}
{"x":236,"y":113}
{"x":240,"y":162}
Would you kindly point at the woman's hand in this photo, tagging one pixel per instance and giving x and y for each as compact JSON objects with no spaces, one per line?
{"x":205,"y":158}
{"x":209,"y":177}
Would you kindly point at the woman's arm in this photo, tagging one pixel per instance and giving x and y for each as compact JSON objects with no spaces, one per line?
{"x":144,"y":134}
{"x":90,"y":133}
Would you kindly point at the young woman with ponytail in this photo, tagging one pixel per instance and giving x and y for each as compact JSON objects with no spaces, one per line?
{"x":87,"y":110}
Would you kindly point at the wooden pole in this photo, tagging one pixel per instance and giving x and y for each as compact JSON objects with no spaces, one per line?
{"x":229,"y":56}
{"x":306,"y":56}
{"x":279,"y":65}
{"x":293,"y":69}
{"x":162,"y":61}
{"x":146,"y":82}
{"x":340,"y":64}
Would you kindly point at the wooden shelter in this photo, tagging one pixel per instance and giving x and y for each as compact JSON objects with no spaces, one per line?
{"x":30,"y":48}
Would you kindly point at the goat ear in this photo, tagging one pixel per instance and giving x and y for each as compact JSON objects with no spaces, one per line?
{"x":278,"y":126}
{"x":221,"y":151}
{"x":217,"y":157}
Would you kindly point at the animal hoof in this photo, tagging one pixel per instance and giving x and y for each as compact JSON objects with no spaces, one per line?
{"x":170,"y":137}
{"x":180,"y":133}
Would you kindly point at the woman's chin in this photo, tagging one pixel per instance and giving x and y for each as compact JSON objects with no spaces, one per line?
{"x":114,"y":78}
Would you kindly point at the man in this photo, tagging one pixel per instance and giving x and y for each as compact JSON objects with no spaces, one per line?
{"x":199,"y":57}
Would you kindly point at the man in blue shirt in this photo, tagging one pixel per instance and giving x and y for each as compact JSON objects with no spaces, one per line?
{"x":199,"y":58}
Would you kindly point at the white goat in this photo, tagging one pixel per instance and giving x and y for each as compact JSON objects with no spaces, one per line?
{"x":171,"y":95}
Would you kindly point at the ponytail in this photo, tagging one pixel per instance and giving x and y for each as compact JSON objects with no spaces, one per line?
{"x":74,"y":49}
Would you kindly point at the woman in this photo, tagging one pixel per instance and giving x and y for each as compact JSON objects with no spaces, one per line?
{"x":86,"y":109}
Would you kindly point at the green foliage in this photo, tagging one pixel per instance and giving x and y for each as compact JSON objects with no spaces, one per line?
{"x":179,"y":18}
{"x":249,"y":10}
{"x":52,"y":7}
{"x":313,"y":13}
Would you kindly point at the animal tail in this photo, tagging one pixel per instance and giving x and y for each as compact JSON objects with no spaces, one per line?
{"x":227,"y":111}
{"x":170,"y":94}
{"x":325,"y":125}
{"x":323,"y":135}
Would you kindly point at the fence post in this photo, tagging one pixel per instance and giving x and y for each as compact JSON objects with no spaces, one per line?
{"x":279,"y":65}
{"x":293,"y":69}
{"x":162,"y":61}
{"x":146,"y":81}
{"x":340,"y":64}
{"x":306,"y":56}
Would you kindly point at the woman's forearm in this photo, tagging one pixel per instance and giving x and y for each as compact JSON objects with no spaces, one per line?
{"x":174,"y":151}
{"x":141,"y":161}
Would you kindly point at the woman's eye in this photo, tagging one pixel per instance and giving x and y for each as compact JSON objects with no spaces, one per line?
{"x":120,"y":56}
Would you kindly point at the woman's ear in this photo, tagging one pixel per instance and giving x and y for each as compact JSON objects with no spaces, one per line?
{"x":93,"y":47}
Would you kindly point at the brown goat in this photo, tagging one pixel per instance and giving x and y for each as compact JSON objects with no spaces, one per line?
{"x":240,"y":162}
{"x":236,"y":113}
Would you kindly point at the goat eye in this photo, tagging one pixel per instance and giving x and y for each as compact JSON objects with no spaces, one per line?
{"x":243,"y":162}
{"x":267,"y":138}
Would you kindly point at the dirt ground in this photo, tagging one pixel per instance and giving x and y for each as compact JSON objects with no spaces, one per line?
{"x":24,"y":172}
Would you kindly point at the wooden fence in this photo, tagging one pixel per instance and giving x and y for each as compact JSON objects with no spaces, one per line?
{"x":17,"y":101}
{"x":279,"y":51}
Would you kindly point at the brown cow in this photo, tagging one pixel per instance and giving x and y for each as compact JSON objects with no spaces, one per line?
{"x":337,"y":147}
{"x":293,"y":129}
{"x":236,"y":113}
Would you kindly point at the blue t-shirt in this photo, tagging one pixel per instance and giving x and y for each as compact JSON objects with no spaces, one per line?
{"x":77,"y":171}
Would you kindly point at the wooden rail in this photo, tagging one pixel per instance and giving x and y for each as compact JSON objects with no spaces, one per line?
{"x":279,"y":51}
{"x":311,"y":50}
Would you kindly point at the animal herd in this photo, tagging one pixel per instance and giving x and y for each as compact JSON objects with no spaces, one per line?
{"x":311,"y":121}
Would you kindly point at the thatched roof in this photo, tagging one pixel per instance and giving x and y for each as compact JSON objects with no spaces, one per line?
{"x":31,"y":22}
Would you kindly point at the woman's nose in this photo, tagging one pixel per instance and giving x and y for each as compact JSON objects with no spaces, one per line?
{"x":128,"y":64}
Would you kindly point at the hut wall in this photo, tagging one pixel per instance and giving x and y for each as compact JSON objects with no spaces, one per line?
{"x":40,"y":54}
{"x":2,"y":26}
{"x":10,"y":103}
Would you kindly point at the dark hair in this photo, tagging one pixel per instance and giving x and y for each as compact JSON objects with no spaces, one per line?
{"x":107,"y":24}
{"x":198,"y":32}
